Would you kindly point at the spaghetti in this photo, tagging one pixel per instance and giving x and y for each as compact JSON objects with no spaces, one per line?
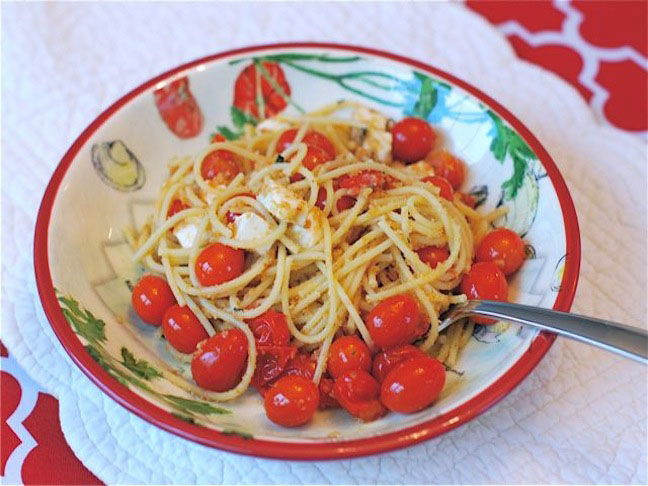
{"x":327,"y":233}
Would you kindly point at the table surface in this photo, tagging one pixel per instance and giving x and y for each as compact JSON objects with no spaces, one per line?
{"x":615,"y":88}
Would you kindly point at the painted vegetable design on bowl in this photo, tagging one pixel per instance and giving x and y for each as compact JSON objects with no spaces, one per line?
{"x":117,"y":166}
{"x":261,"y":90}
{"x":179,"y":109}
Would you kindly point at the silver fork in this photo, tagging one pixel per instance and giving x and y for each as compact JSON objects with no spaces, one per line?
{"x":627,"y":341}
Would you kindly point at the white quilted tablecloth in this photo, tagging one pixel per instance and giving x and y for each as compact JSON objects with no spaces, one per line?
{"x":580,"y":417}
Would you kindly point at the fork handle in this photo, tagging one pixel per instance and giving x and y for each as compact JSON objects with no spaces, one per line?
{"x":627,"y":341}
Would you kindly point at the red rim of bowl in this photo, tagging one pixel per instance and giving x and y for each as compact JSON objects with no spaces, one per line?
{"x":300,"y":450}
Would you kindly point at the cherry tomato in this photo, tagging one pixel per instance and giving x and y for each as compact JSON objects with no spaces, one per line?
{"x":182,"y":329}
{"x":366,"y":178}
{"x":448,"y":166}
{"x":344,"y":203}
{"x":468,"y":199}
{"x":413,"y":385}
{"x":413,"y":138}
{"x":304,"y":365}
{"x":219,"y":362}
{"x":231,"y":217}
{"x":217,"y":137}
{"x":291,"y":401}
{"x":270,"y":363}
{"x":245,"y":89}
{"x":175,"y":207}
{"x":321,"y":198}
{"x":396,"y":320}
{"x":270,"y":328}
{"x":503,"y":247}
{"x":357,"y":392}
{"x":433,"y":255}
{"x":151,"y":298}
{"x":385,"y":361}
{"x":327,"y":396}
{"x":348,"y":353}
{"x":445,"y":189}
{"x":485,"y":281}
{"x":179,"y":109}
{"x":220,"y":163}
{"x":219,"y":263}
{"x":311,"y":138}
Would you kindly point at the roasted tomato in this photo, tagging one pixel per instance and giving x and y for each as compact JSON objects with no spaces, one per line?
{"x":270,"y":364}
{"x":412,"y":385}
{"x":385,"y":361}
{"x":175,"y":207}
{"x":220,"y":165}
{"x":357,"y":392}
{"x":433,"y":255}
{"x":182,"y":329}
{"x":396,"y":320}
{"x":274,"y":89}
{"x":304,"y":365}
{"x":319,"y":148}
{"x":447,"y":166}
{"x":445,"y":189}
{"x":366,"y":178}
{"x":485,"y":280}
{"x":348,"y":353}
{"x":219,"y":263}
{"x":291,"y":401}
{"x":412,"y":138}
{"x":504,"y":248}
{"x":151,"y":298}
{"x":219,"y":362}
{"x":270,"y":328}
{"x":178,"y":108}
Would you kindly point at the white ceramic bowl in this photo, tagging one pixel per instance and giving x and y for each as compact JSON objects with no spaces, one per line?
{"x":112,"y":173}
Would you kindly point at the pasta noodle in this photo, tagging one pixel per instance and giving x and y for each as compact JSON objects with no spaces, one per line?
{"x":322,"y":252}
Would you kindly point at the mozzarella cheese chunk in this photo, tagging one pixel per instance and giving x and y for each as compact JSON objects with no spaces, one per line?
{"x":186,"y":233}
{"x":250,"y":226}
{"x":377,"y":140}
{"x":282,"y":203}
{"x":310,"y":232}
{"x":270,"y":125}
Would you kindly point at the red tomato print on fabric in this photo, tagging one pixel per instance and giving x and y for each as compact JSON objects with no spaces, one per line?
{"x":179,"y":109}
{"x":274,"y":89}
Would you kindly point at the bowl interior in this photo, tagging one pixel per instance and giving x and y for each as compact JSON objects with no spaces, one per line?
{"x":115,"y":175}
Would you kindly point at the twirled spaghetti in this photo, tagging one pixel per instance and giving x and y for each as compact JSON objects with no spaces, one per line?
{"x":324,"y":241}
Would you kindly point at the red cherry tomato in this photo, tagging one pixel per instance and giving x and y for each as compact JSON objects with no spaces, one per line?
{"x":385,"y":361}
{"x":175,"y":207}
{"x":503,"y":247}
{"x":178,"y":108}
{"x":217,"y":137}
{"x":366,"y":178}
{"x":270,"y":363}
{"x":348,"y":353}
{"x":220,"y":163}
{"x":311,"y":138}
{"x":219,"y":362}
{"x":445,"y":189}
{"x":468,"y":199}
{"x":291,"y":401}
{"x":448,"y":166}
{"x":270,"y":328}
{"x":219,"y":263}
{"x":413,"y":385}
{"x":357,"y":392}
{"x":344,"y":203}
{"x":182,"y":329}
{"x":245,"y":89}
{"x":151,"y":298}
{"x":413,"y":138}
{"x":304,"y":365}
{"x":396,"y":320}
{"x":485,"y":281}
{"x":321,"y":198}
{"x":433,"y":255}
